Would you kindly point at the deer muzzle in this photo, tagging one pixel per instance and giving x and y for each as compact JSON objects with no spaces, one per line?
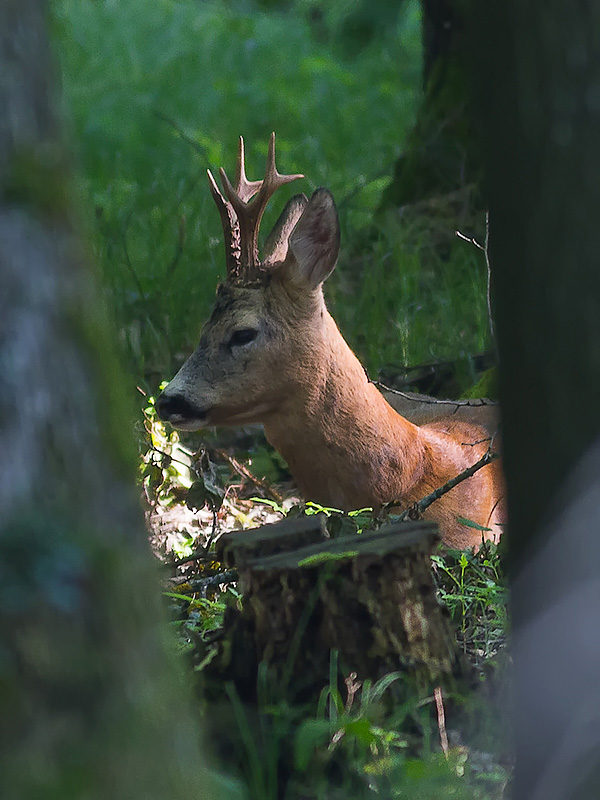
{"x":180,"y":413}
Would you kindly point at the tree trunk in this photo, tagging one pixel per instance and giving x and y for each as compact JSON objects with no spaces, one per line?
{"x":439,"y":173}
{"x":539,"y":73}
{"x":544,"y":190}
{"x":91,"y":701}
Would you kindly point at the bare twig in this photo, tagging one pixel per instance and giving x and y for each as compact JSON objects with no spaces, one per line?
{"x":470,"y":240}
{"x":352,"y":687}
{"x":245,"y":473}
{"x":487,"y":440}
{"x":471,"y":402}
{"x":214,"y":529}
{"x":439,"y":704}
{"x":170,"y":457}
{"x":415,"y":510}
{"x":144,"y":297}
{"x":485,"y":249}
{"x":489,"y":279}
{"x":202,"y":551}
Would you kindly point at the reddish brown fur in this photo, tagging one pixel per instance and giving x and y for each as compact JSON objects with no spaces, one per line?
{"x":348,"y":448}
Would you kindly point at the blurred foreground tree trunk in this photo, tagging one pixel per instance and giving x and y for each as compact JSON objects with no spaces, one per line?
{"x":91,"y":702}
{"x":539,"y":72}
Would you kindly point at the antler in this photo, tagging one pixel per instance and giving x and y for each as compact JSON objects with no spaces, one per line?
{"x":241,"y":214}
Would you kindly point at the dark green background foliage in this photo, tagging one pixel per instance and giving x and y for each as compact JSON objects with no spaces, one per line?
{"x":157,"y":92}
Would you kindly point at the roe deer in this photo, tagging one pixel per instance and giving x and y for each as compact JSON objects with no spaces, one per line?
{"x":270,"y":352}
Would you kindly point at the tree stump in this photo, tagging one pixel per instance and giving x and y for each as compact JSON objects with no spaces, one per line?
{"x":371,"y":597}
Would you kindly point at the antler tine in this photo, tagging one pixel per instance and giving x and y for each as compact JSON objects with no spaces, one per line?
{"x":245,"y":189}
{"x":242,"y":212}
{"x":231,"y":228}
{"x":249,"y":211}
{"x":273,"y":179}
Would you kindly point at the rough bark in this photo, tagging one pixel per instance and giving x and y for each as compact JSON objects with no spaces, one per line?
{"x":91,"y":700}
{"x":369,"y":597}
{"x":540,"y":107}
{"x":438,"y":174}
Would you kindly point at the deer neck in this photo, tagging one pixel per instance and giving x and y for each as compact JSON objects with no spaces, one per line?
{"x":345,"y":446}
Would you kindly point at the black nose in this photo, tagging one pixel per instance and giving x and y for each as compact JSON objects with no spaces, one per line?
{"x":169,"y":406}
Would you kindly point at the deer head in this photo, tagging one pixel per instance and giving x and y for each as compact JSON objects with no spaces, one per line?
{"x":267,"y":321}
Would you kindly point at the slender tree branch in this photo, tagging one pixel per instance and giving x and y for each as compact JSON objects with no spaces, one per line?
{"x":485,"y":249}
{"x":470,"y":240}
{"x":417,"y":509}
{"x":474,"y":402}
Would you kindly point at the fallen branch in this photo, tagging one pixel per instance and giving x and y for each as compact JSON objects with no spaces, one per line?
{"x":202,"y":584}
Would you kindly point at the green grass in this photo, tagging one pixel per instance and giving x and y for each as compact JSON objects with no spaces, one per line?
{"x":404,"y":310}
{"x":157,"y":92}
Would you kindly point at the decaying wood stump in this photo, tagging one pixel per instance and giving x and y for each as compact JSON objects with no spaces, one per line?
{"x":371,"y":597}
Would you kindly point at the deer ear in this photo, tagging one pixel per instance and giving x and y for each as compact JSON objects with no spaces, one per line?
{"x":277,"y":243}
{"x":314,"y":243}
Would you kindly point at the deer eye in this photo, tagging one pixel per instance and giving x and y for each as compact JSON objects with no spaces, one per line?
{"x":242,"y":336}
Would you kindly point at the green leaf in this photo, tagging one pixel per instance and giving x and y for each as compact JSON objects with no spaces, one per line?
{"x":383,"y":684}
{"x":316,"y":508}
{"x":271,"y":504}
{"x":360,"y":729}
{"x":470,"y":524}
{"x":178,"y":596}
{"x":367,"y":510}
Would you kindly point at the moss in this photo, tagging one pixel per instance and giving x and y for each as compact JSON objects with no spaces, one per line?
{"x":113,"y":403}
{"x":486,"y":386}
{"x":441,"y":153}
